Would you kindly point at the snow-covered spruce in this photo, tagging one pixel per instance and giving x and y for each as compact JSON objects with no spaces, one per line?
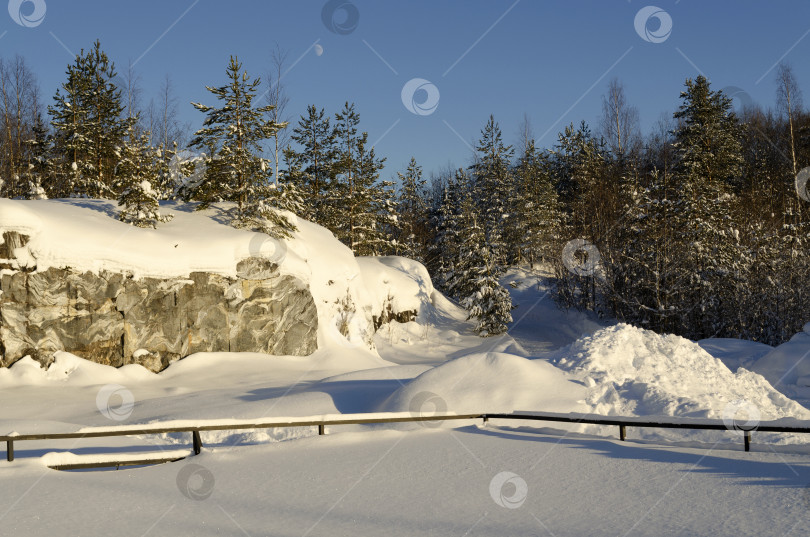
{"x":138,"y":167}
{"x":476,"y":282}
{"x":89,"y":127}
{"x":412,"y":213}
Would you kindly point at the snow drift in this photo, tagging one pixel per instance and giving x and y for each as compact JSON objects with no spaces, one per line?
{"x":631,"y":371}
{"x":789,"y":363}
{"x":634,"y":372}
{"x":489,"y":382}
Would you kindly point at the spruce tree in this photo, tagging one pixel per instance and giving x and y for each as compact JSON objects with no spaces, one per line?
{"x":88,"y":116}
{"x":536,"y":227}
{"x":492,"y":184}
{"x":649,"y":253}
{"x":445,"y":250}
{"x":708,"y":144}
{"x":311,"y":167}
{"x":38,"y":167}
{"x":577,"y":166}
{"x":235,"y":172}
{"x":386,"y":226}
{"x":369,"y":204}
{"x":356,"y":196}
{"x":164,"y":183}
{"x":413,"y":213}
{"x":475,"y":279}
{"x":138,"y":170}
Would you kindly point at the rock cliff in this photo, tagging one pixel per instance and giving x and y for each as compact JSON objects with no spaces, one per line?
{"x":115,"y":319}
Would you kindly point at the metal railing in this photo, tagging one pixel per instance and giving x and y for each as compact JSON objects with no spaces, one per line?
{"x":364,"y":419}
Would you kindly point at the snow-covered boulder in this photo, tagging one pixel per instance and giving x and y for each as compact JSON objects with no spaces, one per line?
{"x":73,"y":278}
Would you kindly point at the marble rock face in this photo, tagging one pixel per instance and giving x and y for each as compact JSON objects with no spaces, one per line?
{"x":113,"y":319}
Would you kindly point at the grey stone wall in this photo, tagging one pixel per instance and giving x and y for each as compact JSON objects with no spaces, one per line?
{"x":113,"y":319}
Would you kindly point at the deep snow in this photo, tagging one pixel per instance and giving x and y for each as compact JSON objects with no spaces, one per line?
{"x":411,"y":479}
{"x":428,"y":482}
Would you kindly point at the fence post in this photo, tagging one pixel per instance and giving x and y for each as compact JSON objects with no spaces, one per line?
{"x":10,"y":450}
{"x":747,"y":437}
{"x":486,"y":419}
{"x":321,"y":429}
{"x":197,"y":441}
{"x":622,"y":432}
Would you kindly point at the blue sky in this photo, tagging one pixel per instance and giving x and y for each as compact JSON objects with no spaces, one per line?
{"x":551,"y":60}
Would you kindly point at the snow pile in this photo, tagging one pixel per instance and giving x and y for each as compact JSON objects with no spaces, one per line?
{"x":630,"y":371}
{"x":489,"y":382}
{"x":14,"y":216}
{"x":789,"y":363}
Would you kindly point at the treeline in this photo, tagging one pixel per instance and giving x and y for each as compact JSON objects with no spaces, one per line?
{"x":699,"y":228}
{"x":702,"y":228}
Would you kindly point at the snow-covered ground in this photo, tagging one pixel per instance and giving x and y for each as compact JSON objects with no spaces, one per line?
{"x":428,"y":482}
{"x":405,"y":479}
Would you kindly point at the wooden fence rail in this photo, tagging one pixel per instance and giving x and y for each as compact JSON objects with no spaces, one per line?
{"x":622,"y":422}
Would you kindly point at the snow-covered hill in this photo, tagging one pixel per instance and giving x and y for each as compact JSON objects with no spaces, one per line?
{"x":85,"y":235}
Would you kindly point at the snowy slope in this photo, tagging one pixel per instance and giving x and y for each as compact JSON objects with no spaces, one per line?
{"x":540,"y":325}
{"x":434,"y":359}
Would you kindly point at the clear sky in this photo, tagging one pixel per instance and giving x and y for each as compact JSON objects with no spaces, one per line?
{"x":551,"y":60}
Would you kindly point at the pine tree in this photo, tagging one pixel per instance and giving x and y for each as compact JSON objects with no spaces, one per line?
{"x":235,"y":172}
{"x":187,"y":174}
{"x":413,"y":213}
{"x":344,"y":191}
{"x":68,"y":114}
{"x":137,"y":170}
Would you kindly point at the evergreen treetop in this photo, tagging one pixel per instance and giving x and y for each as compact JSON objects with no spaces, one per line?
{"x":232,"y":134}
